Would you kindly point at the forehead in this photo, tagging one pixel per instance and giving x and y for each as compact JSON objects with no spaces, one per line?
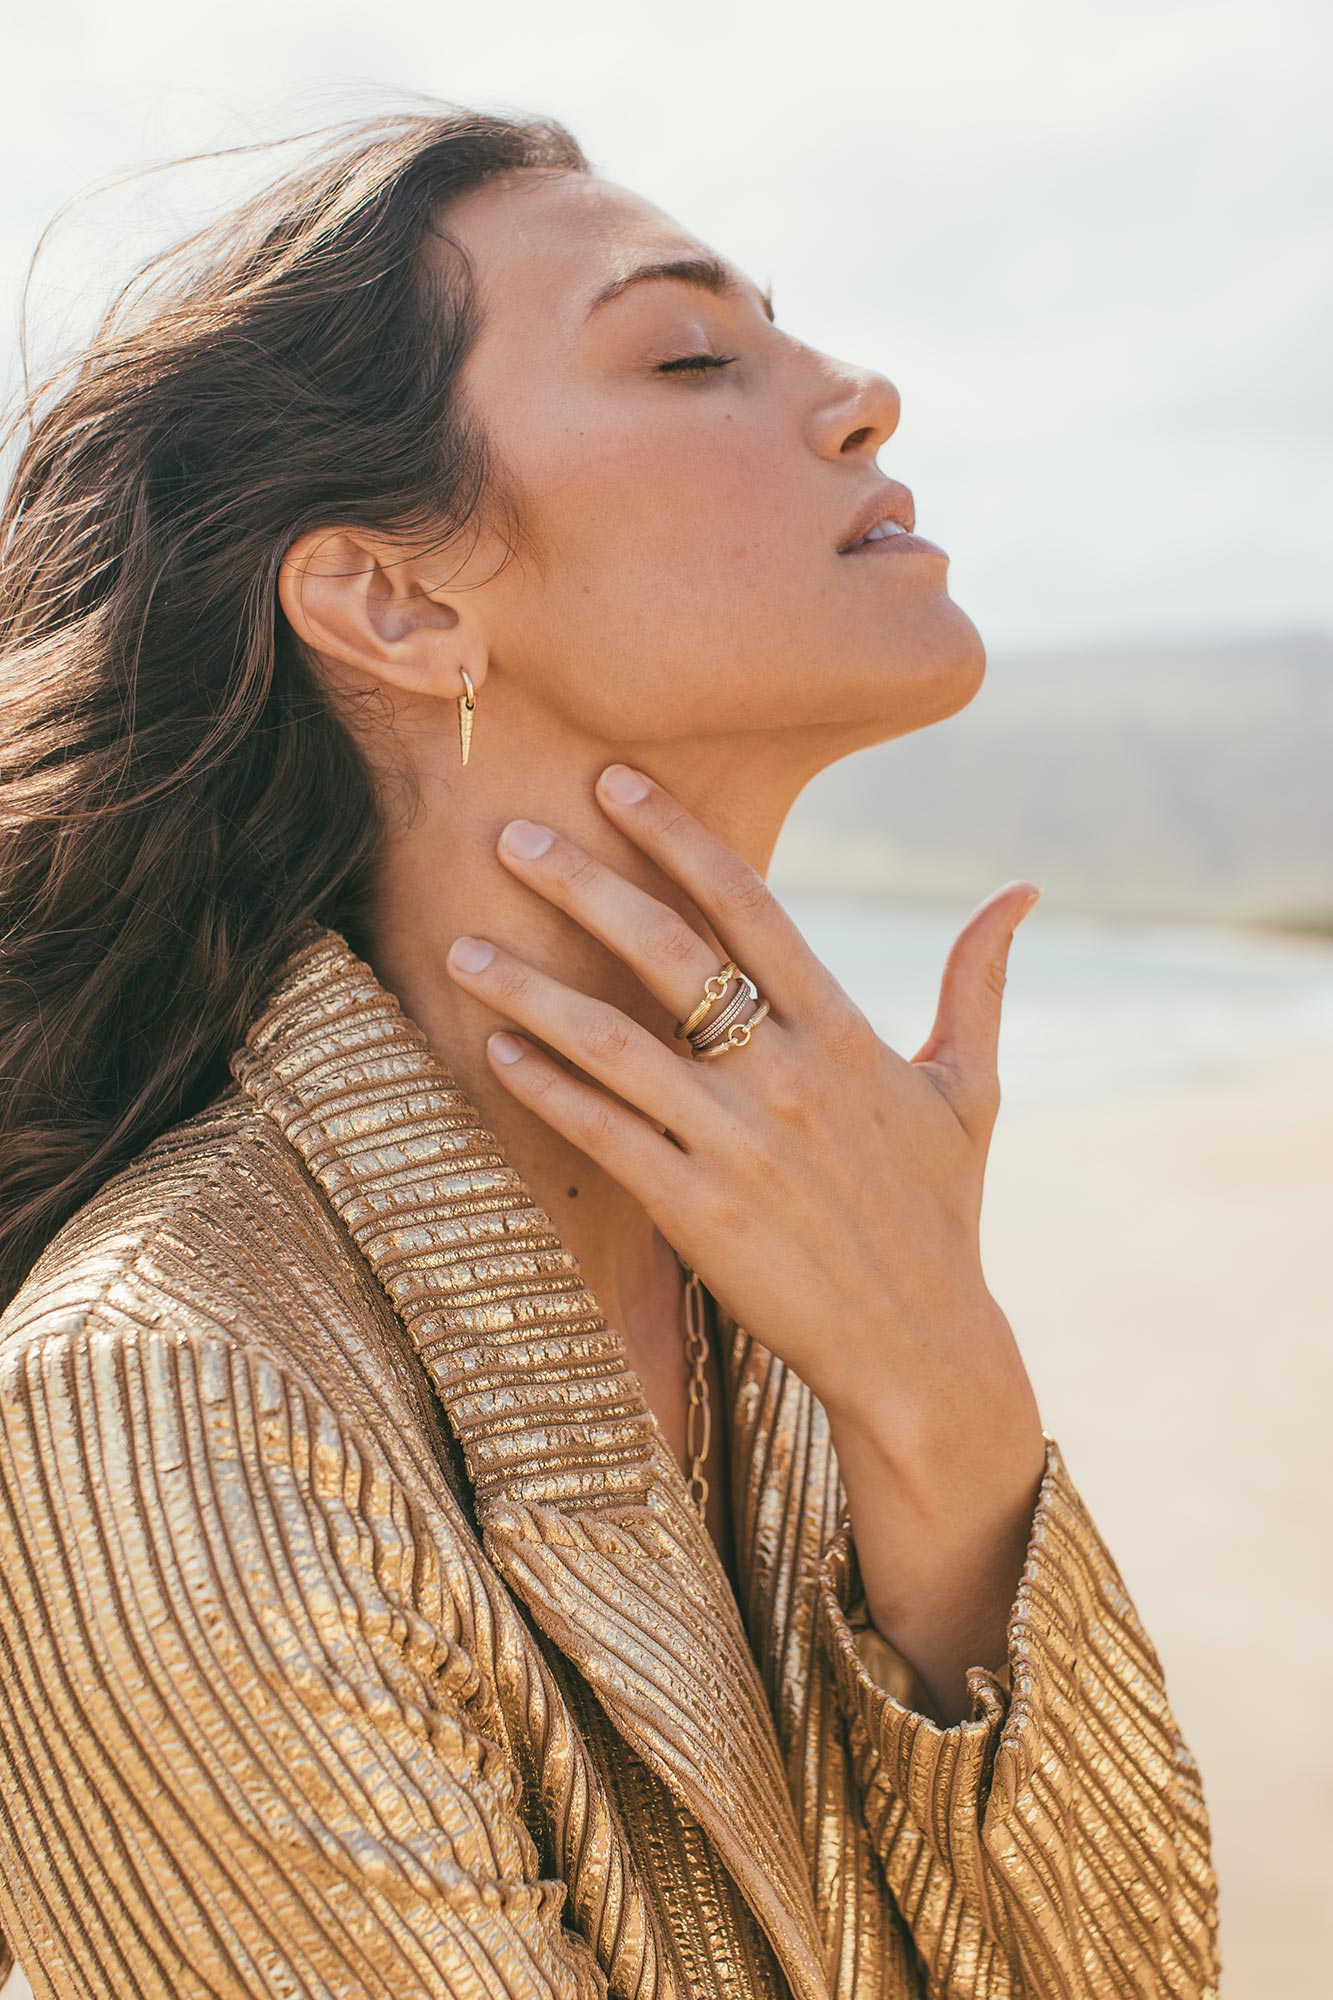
{"x":553,"y":241}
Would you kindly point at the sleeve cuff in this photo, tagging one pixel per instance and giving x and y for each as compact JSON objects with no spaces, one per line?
{"x":903,"y":1757}
{"x":1068,"y":1788}
{"x":882,"y":1688}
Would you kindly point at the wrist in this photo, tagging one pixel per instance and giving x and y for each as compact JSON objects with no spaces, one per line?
{"x":941,"y":1534}
{"x":946,"y":1463}
{"x":961,"y":1378}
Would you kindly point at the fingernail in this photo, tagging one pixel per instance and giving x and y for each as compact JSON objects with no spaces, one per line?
{"x":624,"y":785}
{"x":505,"y":1048}
{"x":1030,"y":904}
{"x":524,"y":837}
{"x":471,"y":954}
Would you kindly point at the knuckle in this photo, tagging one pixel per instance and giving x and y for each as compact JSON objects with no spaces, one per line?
{"x":996,"y":975}
{"x":743,"y":892}
{"x":512,"y":979}
{"x":671,"y":818}
{"x":603,"y":1035}
{"x":794,"y":1106}
{"x":579,"y":869}
{"x":539,"y":1078}
{"x":596,"y":1121}
{"x":795,"y":1096}
{"x":846,"y":1036}
{"x":666,"y":940}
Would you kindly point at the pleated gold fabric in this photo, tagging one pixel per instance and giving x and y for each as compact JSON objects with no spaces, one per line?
{"x":357,"y":1636}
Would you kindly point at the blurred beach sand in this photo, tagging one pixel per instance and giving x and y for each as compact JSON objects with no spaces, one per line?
{"x":1166,"y":1262}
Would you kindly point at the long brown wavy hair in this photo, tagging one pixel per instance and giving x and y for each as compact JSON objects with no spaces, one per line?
{"x":177,"y":797}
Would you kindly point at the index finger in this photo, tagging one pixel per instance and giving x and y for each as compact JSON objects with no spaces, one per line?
{"x":739,"y":905}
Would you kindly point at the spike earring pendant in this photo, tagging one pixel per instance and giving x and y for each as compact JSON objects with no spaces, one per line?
{"x":466,"y":703}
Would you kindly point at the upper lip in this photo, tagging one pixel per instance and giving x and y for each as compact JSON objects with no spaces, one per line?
{"x":891,"y":503}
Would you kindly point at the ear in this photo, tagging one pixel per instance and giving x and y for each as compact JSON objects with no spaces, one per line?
{"x":357,"y":600}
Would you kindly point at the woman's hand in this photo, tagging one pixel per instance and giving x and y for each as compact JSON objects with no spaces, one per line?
{"x":827,"y":1191}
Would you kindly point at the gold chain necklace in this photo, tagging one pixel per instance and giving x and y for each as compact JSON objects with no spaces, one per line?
{"x":698,"y":1416}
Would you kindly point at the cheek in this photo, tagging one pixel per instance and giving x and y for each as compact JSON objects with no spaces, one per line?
{"x":684,"y":523}
{"x":679,"y":566}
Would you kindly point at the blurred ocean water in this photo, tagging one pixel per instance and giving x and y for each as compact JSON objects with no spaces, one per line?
{"x":1094,"y":1006}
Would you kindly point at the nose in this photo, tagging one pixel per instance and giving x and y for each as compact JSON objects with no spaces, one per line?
{"x":857,"y":414}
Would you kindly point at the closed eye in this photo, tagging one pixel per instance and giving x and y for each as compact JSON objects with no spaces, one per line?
{"x":695,"y":363}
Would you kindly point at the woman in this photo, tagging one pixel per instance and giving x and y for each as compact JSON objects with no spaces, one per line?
{"x":491,"y":1512}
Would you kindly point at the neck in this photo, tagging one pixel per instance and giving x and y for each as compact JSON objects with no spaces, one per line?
{"x":441,"y":876}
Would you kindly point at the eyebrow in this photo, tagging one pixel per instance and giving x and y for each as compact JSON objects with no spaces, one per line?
{"x":709,"y":274}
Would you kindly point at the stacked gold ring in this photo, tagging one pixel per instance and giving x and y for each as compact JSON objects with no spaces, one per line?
{"x":723,"y":979}
{"x":737,"y":1035}
{"x":727,"y":1031}
{"x":717,"y":1024}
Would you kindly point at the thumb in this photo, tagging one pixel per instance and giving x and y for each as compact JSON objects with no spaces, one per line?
{"x":964,"y":1043}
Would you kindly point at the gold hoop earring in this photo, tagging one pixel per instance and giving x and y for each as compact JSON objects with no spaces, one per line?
{"x":466,"y":703}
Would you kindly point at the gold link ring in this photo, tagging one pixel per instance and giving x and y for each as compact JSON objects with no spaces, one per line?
{"x":737,"y":1035}
{"x":721,"y":979}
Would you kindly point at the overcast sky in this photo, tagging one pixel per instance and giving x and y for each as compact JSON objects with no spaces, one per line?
{"x":1091,"y":244}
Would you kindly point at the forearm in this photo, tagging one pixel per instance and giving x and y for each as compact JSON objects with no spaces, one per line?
{"x":941,"y":1498}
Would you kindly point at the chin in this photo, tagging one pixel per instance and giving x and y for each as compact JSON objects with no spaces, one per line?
{"x":965,"y":650}
{"x":936,"y":668}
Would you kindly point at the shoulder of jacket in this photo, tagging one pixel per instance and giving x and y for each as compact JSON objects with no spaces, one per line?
{"x":217,"y":1232}
{"x":212,"y":1265}
{"x":160,"y":1461}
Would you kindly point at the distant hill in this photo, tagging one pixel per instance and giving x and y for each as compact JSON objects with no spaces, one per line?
{"x":1191,"y":782}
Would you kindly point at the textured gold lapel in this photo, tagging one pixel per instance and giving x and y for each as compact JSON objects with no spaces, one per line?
{"x":581,"y":1504}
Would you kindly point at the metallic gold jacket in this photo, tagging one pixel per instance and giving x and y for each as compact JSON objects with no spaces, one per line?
{"x":357,"y":1636}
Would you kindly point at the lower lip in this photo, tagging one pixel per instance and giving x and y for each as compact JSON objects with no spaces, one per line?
{"x":906,"y":545}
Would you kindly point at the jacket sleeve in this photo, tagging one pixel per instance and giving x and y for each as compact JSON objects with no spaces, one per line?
{"x":239,"y":1743}
{"x":1055,"y":1843}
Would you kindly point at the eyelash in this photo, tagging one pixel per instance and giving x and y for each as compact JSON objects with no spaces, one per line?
{"x":695,"y":364}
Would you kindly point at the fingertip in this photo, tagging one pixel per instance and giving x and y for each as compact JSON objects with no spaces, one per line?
{"x":623,"y":785}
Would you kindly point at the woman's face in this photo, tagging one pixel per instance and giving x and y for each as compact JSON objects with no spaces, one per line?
{"x":679,"y":567}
